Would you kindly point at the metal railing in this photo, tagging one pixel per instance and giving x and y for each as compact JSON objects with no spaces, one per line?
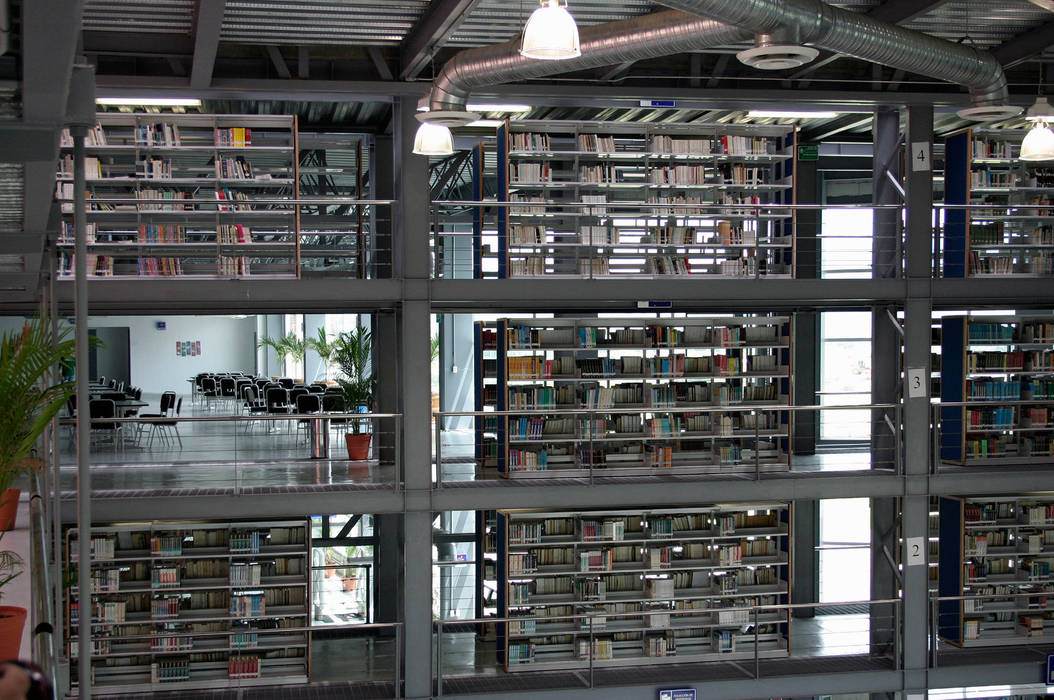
{"x":952,"y":421}
{"x":243,"y":451}
{"x":754,"y":635}
{"x":983,"y":240}
{"x":379,"y":645}
{"x":751,"y":440}
{"x":604,"y":240}
{"x":279,"y":237}
{"x":958,"y":623}
{"x":44,"y":644}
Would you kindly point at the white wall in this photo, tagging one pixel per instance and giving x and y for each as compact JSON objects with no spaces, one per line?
{"x":227,"y":344}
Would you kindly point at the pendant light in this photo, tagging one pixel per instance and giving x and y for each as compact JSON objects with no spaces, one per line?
{"x":551,"y":33}
{"x":1039,"y":141}
{"x":433,"y":140}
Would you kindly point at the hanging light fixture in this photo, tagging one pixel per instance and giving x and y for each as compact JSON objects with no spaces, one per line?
{"x":433,"y":140}
{"x":1039,"y":141}
{"x":551,"y":33}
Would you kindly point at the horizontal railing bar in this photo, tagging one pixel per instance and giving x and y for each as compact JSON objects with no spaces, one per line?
{"x":624,"y":205}
{"x":238,"y":419}
{"x":698,"y":409}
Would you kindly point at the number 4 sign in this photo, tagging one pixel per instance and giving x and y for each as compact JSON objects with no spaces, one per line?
{"x":920,"y":156}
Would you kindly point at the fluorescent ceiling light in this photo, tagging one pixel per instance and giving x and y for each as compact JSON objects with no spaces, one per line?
{"x":486,"y":122}
{"x":497,"y":108}
{"x":150,"y":101}
{"x":550,"y":34}
{"x":781,"y":114}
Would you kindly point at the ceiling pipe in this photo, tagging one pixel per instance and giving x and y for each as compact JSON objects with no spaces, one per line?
{"x":649,"y":36}
{"x":860,"y":36}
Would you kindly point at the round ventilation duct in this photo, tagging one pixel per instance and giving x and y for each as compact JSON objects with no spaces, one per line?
{"x":777,"y":56}
{"x":1047,"y":5}
{"x":989,"y":113}
{"x":447,"y":117}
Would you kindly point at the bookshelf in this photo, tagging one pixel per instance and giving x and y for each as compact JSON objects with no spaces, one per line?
{"x":670,"y":585}
{"x":1002,"y":368}
{"x":628,"y":371}
{"x":997,"y":549}
{"x":629,"y":172}
{"x":179,"y":196}
{"x":1013,"y":234}
{"x":195,"y":604}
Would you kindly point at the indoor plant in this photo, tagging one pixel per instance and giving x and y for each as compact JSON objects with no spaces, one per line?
{"x":324,"y":348}
{"x":30,"y":403}
{"x":353,"y":355}
{"x":288,"y":345}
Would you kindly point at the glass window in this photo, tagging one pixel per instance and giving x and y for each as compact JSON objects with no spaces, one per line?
{"x":845,"y":244}
{"x":845,"y":550}
{"x":845,"y":374}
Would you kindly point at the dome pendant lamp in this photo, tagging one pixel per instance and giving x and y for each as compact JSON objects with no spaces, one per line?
{"x":551,"y":33}
{"x":433,"y":140}
{"x":1039,"y":141}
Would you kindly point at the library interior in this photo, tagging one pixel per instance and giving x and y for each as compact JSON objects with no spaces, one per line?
{"x":547,"y":349}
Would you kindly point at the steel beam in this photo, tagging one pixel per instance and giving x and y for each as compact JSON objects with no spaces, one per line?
{"x":1025,"y":45}
{"x":208,"y":20}
{"x":421,"y":42}
{"x":278,"y":62}
{"x":899,"y":11}
{"x":379,"y":63}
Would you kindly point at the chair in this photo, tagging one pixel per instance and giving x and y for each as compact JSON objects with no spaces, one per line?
{"x":105,"y":408}
{"x":162,"y":427}
{"x":317,"y":388}
{"x":297,"y":392}
{"x":136,"y":394}
{"x":334,"y":403}
{"x":168,"y":399}
{"x":102,"y":379}
{"x":307,"y":404}
{"x":209,"y":390}
{"x":228,"y":390}
{"x":253,"y":404}
{"x":286,"y":382}
{"x":277,"y":401}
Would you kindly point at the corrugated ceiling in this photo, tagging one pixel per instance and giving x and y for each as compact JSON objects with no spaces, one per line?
{"x":376,"y":23}
{"x":155,"y":16}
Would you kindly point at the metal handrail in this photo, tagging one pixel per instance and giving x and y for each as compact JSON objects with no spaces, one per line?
{"x":625,"y":205}
{"x":698,"y":409}
{"x":235,"y":418}
{"x":43,"y":641}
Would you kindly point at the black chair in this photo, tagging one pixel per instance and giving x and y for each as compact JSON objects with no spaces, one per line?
{"x":105,"y":408}
{"x":334,"y":390}
{"x":286,"y":382}
{"x":297,"y":392}
{"x":277,"y":401}
{"x":168,"y":399}
{"x":102,"y":380}
{"x":252,"y":405}
{"x":306,"y":404}
{"x":162,"y":427}
{"x":209,"y":389}
{"x":317,"y":388}
{"x":228,"y":390}
{"x":334,"y":403}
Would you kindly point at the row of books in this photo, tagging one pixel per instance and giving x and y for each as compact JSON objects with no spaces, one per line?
{"x":1024,"y":263}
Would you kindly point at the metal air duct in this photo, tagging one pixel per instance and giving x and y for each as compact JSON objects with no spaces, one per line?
{"x":835,"y":29}
{"x":649,"y":36}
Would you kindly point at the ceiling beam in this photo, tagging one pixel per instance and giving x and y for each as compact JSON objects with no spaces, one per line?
{"x":380,"y":64}
{"x":208,"y":20}
{"x":616,"y":72}
{"x":899,"y":11}
{"x":421,"y":42}
{"x":1025,"y":45}
{"x":835,"y":126}
{"x":278,"y":62}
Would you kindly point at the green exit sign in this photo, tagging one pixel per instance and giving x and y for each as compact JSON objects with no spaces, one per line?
{"x":808,"y":152}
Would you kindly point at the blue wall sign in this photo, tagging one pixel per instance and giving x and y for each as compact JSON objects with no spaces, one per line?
{"x":1050,"y":669}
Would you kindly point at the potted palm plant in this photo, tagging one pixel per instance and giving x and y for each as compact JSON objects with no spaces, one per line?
{"x":30,"y":403}
{"x":353,"y":355}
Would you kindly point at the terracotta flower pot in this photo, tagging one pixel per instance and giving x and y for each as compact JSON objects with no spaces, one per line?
{"x":9,"y":508}
{"x":358,"y":445}
{"x":12,"y":622}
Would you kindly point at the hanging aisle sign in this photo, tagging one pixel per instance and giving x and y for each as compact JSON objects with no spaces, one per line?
{"x":677,"y":694}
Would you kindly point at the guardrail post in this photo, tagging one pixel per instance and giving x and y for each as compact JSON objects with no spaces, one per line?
{"x":439,"y":658}
{"x":757,"y":650}
{"x":398,"y":661}
{"x":437,"y":419}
